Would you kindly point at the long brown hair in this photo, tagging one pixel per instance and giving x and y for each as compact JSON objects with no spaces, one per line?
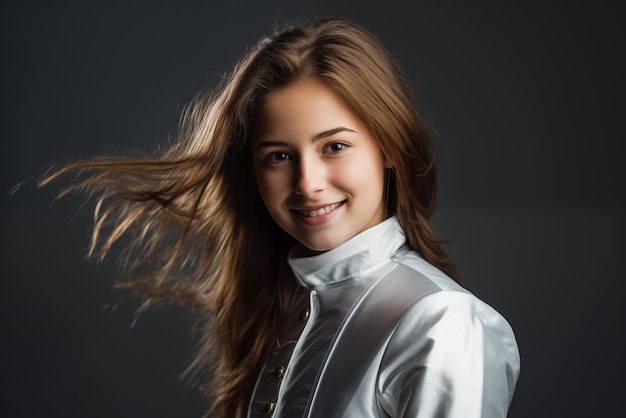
{"x":195,"y":216}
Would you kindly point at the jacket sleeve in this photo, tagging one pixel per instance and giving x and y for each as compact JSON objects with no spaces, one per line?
{"x":451,"y":355}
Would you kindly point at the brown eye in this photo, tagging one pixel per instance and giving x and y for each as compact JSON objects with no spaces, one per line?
{"x":335,"y":147}
{"x":277,"y":157}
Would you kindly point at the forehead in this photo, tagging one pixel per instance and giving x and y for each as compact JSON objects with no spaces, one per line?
{"x":304,"y":108}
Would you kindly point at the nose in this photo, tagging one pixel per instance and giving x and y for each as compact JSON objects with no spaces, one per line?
{"x":311,"y":177}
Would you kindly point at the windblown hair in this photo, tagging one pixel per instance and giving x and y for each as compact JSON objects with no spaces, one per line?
{"x":195,"y":216}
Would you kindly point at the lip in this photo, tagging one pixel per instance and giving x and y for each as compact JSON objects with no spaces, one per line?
{"x":320,"y":219}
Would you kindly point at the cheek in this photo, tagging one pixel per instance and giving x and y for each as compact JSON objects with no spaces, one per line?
{"x":272,"y":186}
{"x":359,"y":178}
{"x":347,"y":177}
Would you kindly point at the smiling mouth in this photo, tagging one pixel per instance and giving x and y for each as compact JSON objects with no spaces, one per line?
{"x":313,"y":213}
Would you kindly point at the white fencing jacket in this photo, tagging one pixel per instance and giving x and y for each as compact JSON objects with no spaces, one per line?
{"x":379,"y":332}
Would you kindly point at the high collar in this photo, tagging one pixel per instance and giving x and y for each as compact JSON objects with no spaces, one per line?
{"x":352,"y":259}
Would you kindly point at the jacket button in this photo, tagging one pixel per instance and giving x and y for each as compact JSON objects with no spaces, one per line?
{"x":279,"y":372}
{"x":304,"y":315}
{"x":270,"y":407}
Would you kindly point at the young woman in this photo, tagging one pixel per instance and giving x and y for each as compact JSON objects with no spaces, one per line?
{"x":293,"y":215}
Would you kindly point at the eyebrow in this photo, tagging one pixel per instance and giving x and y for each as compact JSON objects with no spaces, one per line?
{"x":317,"y":137}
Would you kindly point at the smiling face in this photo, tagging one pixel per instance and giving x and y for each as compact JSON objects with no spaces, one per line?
{"x":319,"y":171}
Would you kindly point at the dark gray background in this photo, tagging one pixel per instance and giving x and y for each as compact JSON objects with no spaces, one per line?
{"x":528,"y":101}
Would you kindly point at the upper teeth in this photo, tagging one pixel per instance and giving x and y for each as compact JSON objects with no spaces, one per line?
{"x":321,"y":211}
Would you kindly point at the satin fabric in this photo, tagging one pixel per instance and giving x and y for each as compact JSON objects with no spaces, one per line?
{"x":376,"y":331}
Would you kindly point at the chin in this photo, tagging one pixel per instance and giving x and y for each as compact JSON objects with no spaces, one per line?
{"x":321,"y":245}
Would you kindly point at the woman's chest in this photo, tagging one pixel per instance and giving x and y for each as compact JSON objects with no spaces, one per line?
{"x":324,"y":363}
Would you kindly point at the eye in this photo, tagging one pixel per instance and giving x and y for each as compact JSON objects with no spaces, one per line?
{"x":276,"y":157}
{"x":335,"y":147}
